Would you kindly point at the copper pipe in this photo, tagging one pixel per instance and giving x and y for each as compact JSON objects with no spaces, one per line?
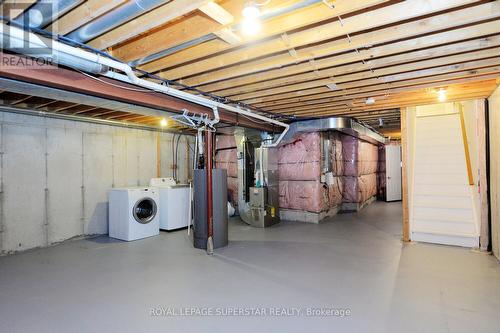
{"x":209,"y":166}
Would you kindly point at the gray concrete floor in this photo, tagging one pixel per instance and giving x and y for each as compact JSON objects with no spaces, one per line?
{"x":353,"y":261}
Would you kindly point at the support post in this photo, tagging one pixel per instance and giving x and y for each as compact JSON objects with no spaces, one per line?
{"x":404,"y":148}
{"x":208,"y":168}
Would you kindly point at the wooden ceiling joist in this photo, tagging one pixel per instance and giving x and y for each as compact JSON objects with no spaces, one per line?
{"x":308,"y":60}
{"x":363,"y":55}
{"x":364,"y":52}
{"x":144,"y":23}
{"x":335,"y":74}
{"x":339,"y":29}
{"x":272,"y":27}
{"x":82,"y":15}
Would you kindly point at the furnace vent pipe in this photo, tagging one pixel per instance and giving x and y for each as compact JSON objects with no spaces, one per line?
{"x":21,"y":41}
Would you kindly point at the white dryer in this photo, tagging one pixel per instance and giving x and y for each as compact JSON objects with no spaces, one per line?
{"x":175,"y":203}
{"x":133,"y":213}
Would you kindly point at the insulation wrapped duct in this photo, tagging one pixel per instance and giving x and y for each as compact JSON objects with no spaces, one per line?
{"x":301,"y":159}
{"x":226,"y":158}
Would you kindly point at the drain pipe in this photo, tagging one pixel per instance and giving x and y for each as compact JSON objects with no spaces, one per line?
{"x":19,"y":40}
{"x":209,"y":168}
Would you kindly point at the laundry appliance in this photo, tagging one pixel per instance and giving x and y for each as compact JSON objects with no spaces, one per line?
{"x":133,"y":213}
{"x":174,"y":203}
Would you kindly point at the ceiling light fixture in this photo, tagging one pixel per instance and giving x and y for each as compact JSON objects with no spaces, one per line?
{"x":370,"y":100}
{"x":442,"y":95}
{"x":251,"y":24}
{"x":333,"y":86}
{"x":163,"y":122}
{"x":251,"y":10}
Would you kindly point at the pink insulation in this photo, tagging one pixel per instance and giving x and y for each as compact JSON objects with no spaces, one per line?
{"x":311,"y":196}
{"x":225,"y":141}
{"x":300,"y":160}
{"x":335,"y":190}
{"x":360,"y":189}
{"x":381,"y":174}
{"x":232,"y":190}
{"x":227,"y":159}
{"x":336,"y":154}
{"x":360,"y":157}
{"x":300,"y":171}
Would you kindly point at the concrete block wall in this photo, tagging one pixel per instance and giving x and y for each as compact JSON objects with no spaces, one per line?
{"x":55,"y":174}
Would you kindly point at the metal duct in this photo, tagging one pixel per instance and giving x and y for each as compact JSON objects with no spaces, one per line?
{"x":119,"y":16}
{"x":44,"y":12}
{"x":12,"y":38}
{"x":342,"y":124}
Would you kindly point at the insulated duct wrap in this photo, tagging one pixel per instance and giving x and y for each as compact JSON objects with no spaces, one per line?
{"x":323,"y":170}
{"x":226,"y":158}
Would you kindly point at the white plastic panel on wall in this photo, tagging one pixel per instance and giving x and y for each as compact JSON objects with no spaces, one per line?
{"x":23,"y":210}
{"x":442,"y":204}
{"x":64,"y":179}
{"x":97,"y":180}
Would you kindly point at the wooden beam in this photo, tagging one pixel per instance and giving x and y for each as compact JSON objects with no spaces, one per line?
{"x":82,"y":15}
{"x":366,"y":79}
{"x":227,"y":35}
{"x":332,"y":74}
{"x":405,"y":178}
{"x":462,"y":75}
{"x":272,"y":27}
{"x":410,"y":100}
{"x":217,"y":13}
{"x":434,"y":40}
{"x":381,"y":95}
{"x":146,"y":22}
{"x":379,"y":72}
{"x":360,"y":42}
{"x":365,"y":21}
{"x":466,"y":145}
{"x":13,"y":8}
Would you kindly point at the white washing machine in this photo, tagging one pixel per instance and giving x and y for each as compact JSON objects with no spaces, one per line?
{"x":175,"y":203}
{"x":133,"y":213}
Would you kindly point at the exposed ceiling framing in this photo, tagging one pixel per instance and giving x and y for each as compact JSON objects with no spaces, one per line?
{"x":309,"y":59}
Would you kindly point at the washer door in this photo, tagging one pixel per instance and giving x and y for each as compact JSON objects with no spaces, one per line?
{"x":144,"y":210}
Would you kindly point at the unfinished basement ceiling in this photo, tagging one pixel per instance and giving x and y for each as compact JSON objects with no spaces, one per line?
{"x":311,"y":58}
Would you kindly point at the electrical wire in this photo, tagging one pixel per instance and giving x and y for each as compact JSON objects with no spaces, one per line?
{"x":114,"y":85}
{"x":213,"y":97}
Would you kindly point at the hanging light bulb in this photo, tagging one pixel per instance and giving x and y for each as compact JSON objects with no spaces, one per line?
{"x":251,"y":10}
{"x":251,"y":24}
{"x":442,"y":95}
{"x":163,"y":122}
{"x":251,"y":27}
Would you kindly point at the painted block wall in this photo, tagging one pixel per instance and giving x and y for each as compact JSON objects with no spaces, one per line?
{"x":55,"y":174}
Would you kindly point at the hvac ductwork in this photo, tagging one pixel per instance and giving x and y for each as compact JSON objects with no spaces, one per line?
{"x":120,"y":15}
{"x":342,"y":124}
{"x":46,"y":11}
{"x":20,"y":41}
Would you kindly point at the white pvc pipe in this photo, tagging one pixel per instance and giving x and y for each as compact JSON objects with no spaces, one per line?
{"x":85,"y":61}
